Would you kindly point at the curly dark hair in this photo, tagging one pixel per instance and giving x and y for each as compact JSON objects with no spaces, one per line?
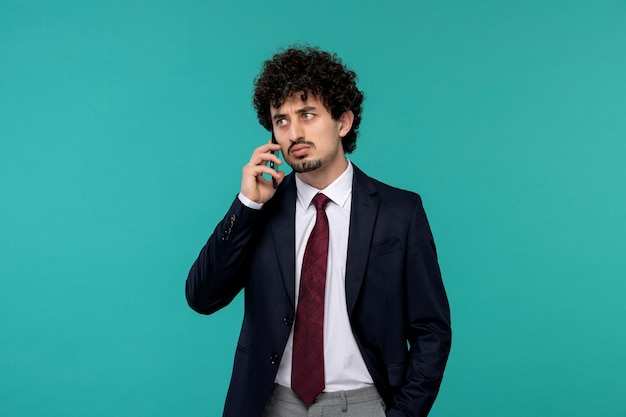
{"x":309,"y":70}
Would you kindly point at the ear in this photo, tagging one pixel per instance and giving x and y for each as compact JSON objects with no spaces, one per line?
{"x":345,"y":122}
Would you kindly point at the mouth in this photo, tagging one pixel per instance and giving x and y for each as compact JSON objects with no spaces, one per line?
{"x":299,"y":150}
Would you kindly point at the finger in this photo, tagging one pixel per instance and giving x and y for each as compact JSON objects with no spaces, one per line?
{"x":263,"y":158}
{"x":273,"y":145}
{"x":280,"y":177}
{"x":268,"y":147}
{"x":259,"y":170}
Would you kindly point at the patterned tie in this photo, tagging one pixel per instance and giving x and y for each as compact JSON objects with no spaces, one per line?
{"x":307,"y":374}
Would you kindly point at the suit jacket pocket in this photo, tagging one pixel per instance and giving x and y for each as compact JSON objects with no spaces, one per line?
{"x":385,"y":247}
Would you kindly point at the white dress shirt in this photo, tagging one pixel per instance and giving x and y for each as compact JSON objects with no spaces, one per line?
{"x":344,"y":367}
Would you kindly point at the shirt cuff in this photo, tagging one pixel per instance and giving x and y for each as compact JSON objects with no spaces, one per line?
{"x":249,"y":203}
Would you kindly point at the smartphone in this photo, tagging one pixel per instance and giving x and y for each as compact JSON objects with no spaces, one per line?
{"x":272,"y":165}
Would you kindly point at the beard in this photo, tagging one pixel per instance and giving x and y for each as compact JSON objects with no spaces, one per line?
{"x":305,"y":166}
{"x":301,"y":166}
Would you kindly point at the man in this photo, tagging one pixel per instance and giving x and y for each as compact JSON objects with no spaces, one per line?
{"x":345,"y":310}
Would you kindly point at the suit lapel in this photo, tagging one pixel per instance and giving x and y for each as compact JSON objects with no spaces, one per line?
{"x":283,"y":224}
{"x":362,"y":220}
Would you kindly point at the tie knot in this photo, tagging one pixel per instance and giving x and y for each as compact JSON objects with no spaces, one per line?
{"x":320,"y":201}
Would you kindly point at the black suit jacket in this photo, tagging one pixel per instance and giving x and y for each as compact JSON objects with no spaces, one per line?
{"x":394,"y":294}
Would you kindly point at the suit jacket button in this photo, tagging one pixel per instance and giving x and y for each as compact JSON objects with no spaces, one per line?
{"x":274,"y":359}
{"x":288,"y":320}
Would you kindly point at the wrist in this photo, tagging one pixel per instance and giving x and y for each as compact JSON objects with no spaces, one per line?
{"x":249,"y":203}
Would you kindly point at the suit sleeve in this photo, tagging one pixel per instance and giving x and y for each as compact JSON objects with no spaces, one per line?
{"x":217,"y":275}
{"x":429,"y":333}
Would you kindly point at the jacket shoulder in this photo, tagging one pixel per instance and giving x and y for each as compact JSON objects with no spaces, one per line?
{"x":384,"y":192}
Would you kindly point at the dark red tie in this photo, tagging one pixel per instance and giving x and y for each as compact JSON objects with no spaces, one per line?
{"x":307,"y":374}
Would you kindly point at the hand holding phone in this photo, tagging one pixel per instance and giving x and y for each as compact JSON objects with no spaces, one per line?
{"x":255,"y":184}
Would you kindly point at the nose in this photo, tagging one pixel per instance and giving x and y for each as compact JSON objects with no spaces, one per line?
{"x":295,"y":131}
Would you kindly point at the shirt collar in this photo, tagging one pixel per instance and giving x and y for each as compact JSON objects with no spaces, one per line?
{"x":338,"y":191}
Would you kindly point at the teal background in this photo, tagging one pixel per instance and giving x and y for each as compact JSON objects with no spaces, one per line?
{"x":123,"y":129}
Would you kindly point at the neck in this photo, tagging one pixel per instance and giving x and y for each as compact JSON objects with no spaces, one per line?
{"x":324,"y":176}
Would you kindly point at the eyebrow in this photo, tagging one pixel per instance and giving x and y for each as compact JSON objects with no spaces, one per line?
{"x":305,"y":109}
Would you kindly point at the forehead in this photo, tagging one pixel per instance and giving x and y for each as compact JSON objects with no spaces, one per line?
{"x":297,"y":101}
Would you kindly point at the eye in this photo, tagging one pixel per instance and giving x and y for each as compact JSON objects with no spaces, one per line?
{"x":281,"y":122}
{"x":308,"y":116}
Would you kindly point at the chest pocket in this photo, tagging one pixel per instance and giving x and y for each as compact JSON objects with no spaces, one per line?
{"x":385,"y":247}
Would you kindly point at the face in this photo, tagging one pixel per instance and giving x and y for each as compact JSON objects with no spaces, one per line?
{"x":310,"y":138}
